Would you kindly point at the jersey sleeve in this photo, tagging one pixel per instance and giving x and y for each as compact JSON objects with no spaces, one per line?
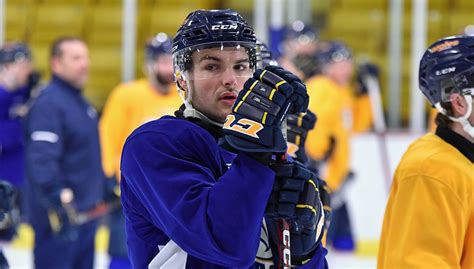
{"x":214,"y":218}
{"x":44,"y":146}
{"x":423,"y":221}
{"x":362,"y":111}
{"x":113,"y":131}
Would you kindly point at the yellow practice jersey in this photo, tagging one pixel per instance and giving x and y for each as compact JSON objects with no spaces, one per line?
{"x":130,"y":105}
{"x":338,"y":113}
{"x":429,"y":219}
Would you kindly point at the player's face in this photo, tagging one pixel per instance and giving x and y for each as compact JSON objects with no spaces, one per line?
{"x":216,"y":77}
{"x":22,"y":70}
{"x":163,"y":69}
{"x":73,"y":63}
{"x":341,"y":71}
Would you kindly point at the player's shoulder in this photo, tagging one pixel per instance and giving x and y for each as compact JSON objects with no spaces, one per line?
{"x":431,"y":156}
{"x":50,"y":97}
{"x":172,"y":129}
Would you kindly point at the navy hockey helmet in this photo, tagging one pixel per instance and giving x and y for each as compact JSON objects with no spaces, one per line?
{"x":301,"y":32}
{"x":14,"y":52}
{"x":332,"y":51}
{"x":160,"y":44}
{"x":212,"y":28}
{"x":264,"y":55}
{"x":447,"y":67}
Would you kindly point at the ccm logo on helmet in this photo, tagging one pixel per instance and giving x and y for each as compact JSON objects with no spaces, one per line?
{"x":445,"y":71}
{"x":224,"y":27}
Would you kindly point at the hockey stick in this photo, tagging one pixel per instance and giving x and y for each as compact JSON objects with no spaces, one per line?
{"x":102,"y":209}
{"x":284,"y":250}
{"x":373,"y":88}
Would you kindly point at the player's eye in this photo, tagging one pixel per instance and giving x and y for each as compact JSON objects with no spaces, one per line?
{"x":210,"y":67}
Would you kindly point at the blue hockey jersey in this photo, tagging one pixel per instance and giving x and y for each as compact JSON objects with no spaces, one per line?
{"x":11,"y":136}
{"x":178,"y":186}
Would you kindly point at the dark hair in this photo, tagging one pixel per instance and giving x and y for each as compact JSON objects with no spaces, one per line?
{"x":442,"y":120}
{"x":56,"y":51}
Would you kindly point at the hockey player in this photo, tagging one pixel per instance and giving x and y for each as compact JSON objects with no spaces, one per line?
{"x":63,"y":162}
{"x":129,"y":105}
{"x":190,"y":203}
{"x":16,"y":69}
{"x":298,"y":126}
{"x":328,"y":144}
{"x":429,"y":219}
{"x":297,"y":49}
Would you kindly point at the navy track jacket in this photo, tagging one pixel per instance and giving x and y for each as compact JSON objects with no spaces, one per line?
{"x":62,"y":147}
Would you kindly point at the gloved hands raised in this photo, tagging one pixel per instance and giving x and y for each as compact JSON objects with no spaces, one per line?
{"x":295,"y":197}
{"x":254,"y":125}
{"x":298,"y":126}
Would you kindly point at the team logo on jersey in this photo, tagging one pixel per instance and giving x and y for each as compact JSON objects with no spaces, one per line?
{"x":243,"y":126}
{"x":444,"y":46}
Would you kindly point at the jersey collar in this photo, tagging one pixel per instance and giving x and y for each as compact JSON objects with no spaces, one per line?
{"x":457,"y":141}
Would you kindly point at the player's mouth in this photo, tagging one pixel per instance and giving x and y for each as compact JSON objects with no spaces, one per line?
{"x":228,"y":98}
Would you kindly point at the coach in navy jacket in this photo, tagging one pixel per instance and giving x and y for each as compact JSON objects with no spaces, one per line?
{"x":63,"y":156}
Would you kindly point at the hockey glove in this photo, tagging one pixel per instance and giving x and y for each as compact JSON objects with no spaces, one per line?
{"x":8,"y":198}
{"x":364,"y":70}
{"x":58,"y":214}
{"x":111,"y":189}
{"x":254,"y":125}
{"x":325,"y":195}
{"x":295,"y":196}
{"x":298,"y":126}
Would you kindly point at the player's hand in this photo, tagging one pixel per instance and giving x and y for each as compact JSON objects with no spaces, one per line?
{"x":364,"y":70}
{"x":58,"y":215}
{"x":298,"y":126}
{"x":111,"y":189}
{"x":254,"y":125}
{"x":295,"y":196}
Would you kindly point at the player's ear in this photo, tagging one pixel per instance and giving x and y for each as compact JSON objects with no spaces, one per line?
{"x":459,"y":104}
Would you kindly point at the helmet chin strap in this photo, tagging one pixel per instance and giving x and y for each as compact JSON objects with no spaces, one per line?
{"x":466,"y":125}
{"x":189,"y":110}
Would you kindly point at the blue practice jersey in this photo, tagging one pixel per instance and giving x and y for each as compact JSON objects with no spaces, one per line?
{"x":11,"y":136}
{"x":180,"y":189}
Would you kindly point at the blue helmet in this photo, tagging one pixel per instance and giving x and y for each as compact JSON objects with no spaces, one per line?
{"x":14,"y":52}
{"x":447,"y":67}
{"x":332,"y":51}
{"x":159,"y":44}
{"x":264,"y":55}
{"x":301,"y":32}
{"x":212,"y":28}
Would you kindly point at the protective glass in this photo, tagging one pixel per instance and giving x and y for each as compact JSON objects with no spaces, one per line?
{"x":216,"y":61}
{"x":462,"y":83}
